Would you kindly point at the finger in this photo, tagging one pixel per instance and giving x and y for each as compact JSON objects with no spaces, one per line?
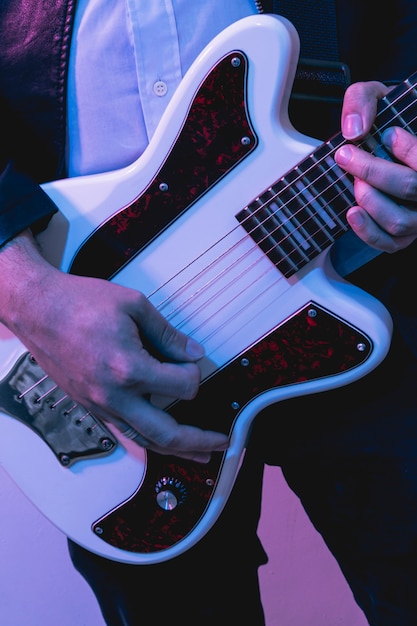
{"x":133,"y":435}
{"x":359,"y":108}
{"x":194,"y":455}
{"x":379,"y":221}
{"x":159,"y":431}
{"x":369,"y":231}
{"x":179,"y":381}
{"x":171,"y":342}
{"x":392,"y":178}
{"x":403,"y":146}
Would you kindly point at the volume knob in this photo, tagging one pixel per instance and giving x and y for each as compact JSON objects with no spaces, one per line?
{"x":170,"y":492}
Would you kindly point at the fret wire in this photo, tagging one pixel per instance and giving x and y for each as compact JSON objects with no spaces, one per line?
{"x":342,"y":192}
{"x":311,"y":239}
{"x":341,"y":141}
{"x":335,"y":142}
{"x":300,"y":233}
{"x":293,"y":198}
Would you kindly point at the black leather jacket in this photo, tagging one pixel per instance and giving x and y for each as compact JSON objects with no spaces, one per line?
{"x":34,"y":48}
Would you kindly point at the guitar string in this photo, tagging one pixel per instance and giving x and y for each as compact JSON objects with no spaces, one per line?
{"x":329,"y":154}
{"x":333,"y":184}
{"x":245,"y":268}
{"x":270,"y":200}
{"x":294,"y":196}
{"x":316,"y":165}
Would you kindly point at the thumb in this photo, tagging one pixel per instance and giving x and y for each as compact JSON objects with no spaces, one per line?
{"x":360,"y":107}
{"x":163,"y":337}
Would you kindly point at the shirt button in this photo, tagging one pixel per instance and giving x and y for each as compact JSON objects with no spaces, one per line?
{"x":160,"y":88}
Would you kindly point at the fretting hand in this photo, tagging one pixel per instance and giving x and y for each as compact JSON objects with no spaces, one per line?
{"x":386,"y":192}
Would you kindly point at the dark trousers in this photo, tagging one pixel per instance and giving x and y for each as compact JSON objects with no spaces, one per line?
{"x":351,"y":457}
{"x":213,"y":584}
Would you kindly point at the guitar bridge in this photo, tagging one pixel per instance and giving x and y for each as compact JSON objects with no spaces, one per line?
{"x":71,"y":432}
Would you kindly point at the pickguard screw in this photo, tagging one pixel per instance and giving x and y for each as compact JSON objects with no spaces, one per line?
{"x":312,"y":313}
{"x":245,"y":141}
{"x":163,"y":187}
{"x":98,"y":530}
{"x":244,"y":362}
{"x":235,"y":406}
{"x":209,"y":482}
{"x":361,"y":347}
{"x":235,"y":62}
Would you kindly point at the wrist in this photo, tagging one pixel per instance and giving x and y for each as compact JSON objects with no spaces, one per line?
{"x":23,"y":273}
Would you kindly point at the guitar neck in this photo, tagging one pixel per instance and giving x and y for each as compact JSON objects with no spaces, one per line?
{"x":304,"y":212}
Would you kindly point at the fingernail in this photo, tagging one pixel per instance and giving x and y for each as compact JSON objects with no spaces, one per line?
{"x":194,"y":349}
{"x":388,"y":137}
{"x":343,"y":155}
{"x":355,"y":218}
{"x":352,"y":126}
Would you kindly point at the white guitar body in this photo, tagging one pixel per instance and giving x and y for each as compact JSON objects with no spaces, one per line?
{"x":206,"y":274}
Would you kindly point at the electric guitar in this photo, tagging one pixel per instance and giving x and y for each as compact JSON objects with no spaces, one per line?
{"x":226,"y":223}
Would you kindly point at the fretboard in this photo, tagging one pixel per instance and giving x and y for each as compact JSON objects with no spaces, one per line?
{"x":304,"y":212}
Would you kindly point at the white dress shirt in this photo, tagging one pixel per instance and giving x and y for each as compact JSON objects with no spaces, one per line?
{"x":127,"y":58}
